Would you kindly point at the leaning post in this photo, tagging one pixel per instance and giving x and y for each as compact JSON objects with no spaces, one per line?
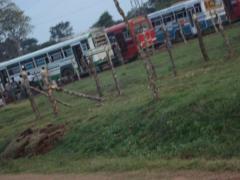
{"x":231,"y":51}
{"x":95,"y":76}
{"x":26,"y":84}
{"x":144,"y":56}
{"x":168,"y":45}
{"x":181,"y":32}
{"x":48,"y":89}
{"x":114,"y":74}
{"x":200,"y":39}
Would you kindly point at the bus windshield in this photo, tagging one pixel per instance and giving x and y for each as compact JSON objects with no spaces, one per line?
{"x":141,"y":27}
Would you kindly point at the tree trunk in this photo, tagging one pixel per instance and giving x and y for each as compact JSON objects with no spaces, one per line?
{"x":114,"y":74}
{"x":200,"y":40}
{"x":95,"y":76}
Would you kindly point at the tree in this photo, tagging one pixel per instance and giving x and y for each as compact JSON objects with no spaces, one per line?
{"x":29,"y":45}
{"x":160,"y":4}
{"x":105,"y":20}
{"x":14,"y":25}
{"x":8,"y":50}
{"x":60,"y":31}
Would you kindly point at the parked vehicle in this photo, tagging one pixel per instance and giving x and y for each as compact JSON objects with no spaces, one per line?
{"x":120,"y":38}
{"x":232,"y":8}
{"x":62,"y":59}
{"x":140,"y":30}
{"x":181,"y":14}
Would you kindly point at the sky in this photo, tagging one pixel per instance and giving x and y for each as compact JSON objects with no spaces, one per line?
{"x":82,"y":14}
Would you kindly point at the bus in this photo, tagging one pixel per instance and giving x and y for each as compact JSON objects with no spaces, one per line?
{"x":62,"y":60}
{"x":141,"y":30}
{"x":120,"y":36}
{"x":181,"y":14}
{"x":232,"y":8}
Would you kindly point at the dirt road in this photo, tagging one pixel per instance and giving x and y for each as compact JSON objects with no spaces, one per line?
{"x":181,"y":175}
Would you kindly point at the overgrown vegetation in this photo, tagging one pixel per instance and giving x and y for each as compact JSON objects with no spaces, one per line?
{"x":194,"y":125}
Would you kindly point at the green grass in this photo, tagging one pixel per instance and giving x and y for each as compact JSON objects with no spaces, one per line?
{"x":195,"y":125}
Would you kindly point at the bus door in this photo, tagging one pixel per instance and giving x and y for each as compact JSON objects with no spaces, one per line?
{"x":121,"y":42}
{"x":3,"y":77}
{"x":78,"y":54}
{"x":190,"y":12}
{"x":232,"y":8}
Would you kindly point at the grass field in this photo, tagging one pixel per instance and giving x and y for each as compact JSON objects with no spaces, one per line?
{"x":195,"y":125}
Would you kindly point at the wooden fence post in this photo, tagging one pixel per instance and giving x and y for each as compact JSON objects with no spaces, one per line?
{"x":200,"y":39}
{"x":95,"y":76}
{"x":150,"y":69}
{"x":181,"y":32}
{"x":168,"y":45}
{"x":48,"y":89}
{"x":213,"y":21}
{"x":114,"y":74}
{"x":231,"y":51}
{"x":26,"y":84}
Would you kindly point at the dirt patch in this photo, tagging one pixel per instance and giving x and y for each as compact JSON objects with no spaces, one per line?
{"x":33,"y":142}
{"x":180,"y":175}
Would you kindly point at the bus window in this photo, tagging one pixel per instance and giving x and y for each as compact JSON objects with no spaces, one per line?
{"x":157,"y":21}
{"x":168,"y":18}
{"x":127,"y":35}
{"x":67,"y":51}
{"x":28,"y":64}
{"x":198,"y":8}
{"x":181,"y":14}
{"x":85,"y":45}
{"x":56,"y":55}
{"x":140,"y":28}
{"x":40,"y":60}
{"x":112,"y":38}
{"x":13,"y":69}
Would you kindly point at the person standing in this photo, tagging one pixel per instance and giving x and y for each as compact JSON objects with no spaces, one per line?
{"x":14,"y":89}
{"x":2,"y":99}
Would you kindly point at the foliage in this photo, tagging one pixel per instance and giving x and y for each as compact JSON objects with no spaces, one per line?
{"x":29,"y":45}
{"x":14,"y":27}
{"x":195,"y":125}
{"x":60,"y":31}
{"x":105,"y":20}
{"x":160,"y":4}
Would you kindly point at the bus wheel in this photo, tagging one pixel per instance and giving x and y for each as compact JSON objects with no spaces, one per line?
{"x":68,"y":75}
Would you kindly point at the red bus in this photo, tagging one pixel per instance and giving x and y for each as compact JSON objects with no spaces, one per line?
{"x":140,"y":27}
{"x":233,"y":9}
{"x":119,"y":35}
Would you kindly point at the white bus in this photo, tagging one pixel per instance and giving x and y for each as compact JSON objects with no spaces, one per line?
{"x":182,"y":12}
{"x":62,"y":59}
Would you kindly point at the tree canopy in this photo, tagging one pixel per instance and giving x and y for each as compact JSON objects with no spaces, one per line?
{"x":14,"y":28}
{"x":60,"y":31}
{"x":105,"y":20}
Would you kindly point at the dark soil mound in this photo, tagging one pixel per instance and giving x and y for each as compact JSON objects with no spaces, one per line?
{"x":34,"y":142}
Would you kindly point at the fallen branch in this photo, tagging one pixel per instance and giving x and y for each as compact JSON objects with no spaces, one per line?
{"x":45,"y":94}
{"x":78,"y":94}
